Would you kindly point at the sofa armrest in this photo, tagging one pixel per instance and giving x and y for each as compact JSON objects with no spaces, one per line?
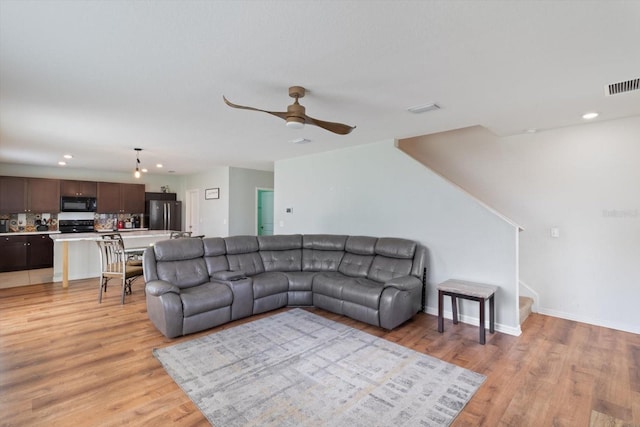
{"x":228,"y":275}
{"x":404,"y":283}
{"x":161,"y":287}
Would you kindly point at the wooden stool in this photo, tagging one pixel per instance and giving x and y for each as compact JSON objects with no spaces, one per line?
{"x":471,"y":291}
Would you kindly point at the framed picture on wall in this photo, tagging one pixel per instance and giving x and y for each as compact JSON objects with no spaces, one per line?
{"x":212,"y":193}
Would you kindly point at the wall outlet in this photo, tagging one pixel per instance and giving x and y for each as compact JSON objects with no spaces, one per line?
{"x":555,"y":232}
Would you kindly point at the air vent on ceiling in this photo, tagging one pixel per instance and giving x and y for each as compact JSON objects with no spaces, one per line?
{"x":622,"y":87}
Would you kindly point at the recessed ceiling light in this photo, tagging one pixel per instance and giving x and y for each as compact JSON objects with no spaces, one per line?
{"x":159,"y":165}
{"x":68,"y":156}
{"x":423,"y":108}
{"x":145,"y":170}
{"x":590,"y":116}
{"x":531,"y":130}
{"x":61,"y":163}
{"x":300,"y":141}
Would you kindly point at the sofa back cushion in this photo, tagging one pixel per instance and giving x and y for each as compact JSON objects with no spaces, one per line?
{"x":181,"y":262}
{"x":322,"y":252}
{"x":242,"y":254}
{"x":215,"y":254}
{"x":394,"y":258}
{"x":281,"y":252}
{"x":359,"y":254}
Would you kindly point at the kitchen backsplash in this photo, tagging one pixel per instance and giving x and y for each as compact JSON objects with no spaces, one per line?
{"x":30,"y":222}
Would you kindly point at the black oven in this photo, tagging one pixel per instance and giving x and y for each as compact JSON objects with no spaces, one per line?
{"x":77,"y":204}
{"x":76,"y":226}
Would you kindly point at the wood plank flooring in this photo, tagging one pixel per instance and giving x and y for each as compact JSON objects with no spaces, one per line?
{"x":67,"y":360}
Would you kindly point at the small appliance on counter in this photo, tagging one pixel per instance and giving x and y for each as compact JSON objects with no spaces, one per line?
{"x":4,"y":225}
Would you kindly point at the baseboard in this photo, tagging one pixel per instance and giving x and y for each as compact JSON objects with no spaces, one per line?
{"x":634,"y":329}
{"x":505,"y":329}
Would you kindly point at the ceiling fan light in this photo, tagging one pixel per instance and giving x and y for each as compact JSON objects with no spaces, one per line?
{"x":295,"y":123}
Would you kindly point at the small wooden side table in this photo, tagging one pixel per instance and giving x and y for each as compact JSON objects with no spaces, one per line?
{"x":471,"y":291}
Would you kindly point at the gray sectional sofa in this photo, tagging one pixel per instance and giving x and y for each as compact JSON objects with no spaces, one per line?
{"x":194,"y":284}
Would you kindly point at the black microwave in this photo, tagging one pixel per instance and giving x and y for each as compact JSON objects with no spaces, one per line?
{"x":78,"y":204}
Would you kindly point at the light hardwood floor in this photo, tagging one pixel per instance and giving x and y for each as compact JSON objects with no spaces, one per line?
{"x":67,"y":360}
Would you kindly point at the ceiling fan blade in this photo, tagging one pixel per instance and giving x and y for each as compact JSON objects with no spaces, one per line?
{"x":282,"y":115}
{"x":339,"y":128}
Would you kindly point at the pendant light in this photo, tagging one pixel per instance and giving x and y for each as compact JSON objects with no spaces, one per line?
{"x":137,"y":171}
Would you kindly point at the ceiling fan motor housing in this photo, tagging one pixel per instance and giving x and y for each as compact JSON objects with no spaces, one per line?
{"x":295,"y":115}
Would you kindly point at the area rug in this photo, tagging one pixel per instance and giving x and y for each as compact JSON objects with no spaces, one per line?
{"x":299,"y":369}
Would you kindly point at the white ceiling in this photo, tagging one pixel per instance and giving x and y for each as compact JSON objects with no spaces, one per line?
{"x":98,"y":78}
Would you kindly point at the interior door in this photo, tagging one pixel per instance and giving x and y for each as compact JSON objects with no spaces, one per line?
{"x":192,"y":212}
{"x":265,"y":212}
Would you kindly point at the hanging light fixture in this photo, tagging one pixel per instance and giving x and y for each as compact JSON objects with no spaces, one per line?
{"x":137,"y":171}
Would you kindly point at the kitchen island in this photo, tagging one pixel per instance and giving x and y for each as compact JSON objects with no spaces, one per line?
{"x":76,"y":255}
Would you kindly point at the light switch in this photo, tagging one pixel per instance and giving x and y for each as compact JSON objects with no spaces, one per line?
{"x":555,"y":232}
{"x":281,"y":224}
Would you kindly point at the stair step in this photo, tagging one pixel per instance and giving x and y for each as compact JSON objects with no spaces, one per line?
{"x":525,"y":308}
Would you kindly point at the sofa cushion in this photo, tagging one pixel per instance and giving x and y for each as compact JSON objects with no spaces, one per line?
{"x":214,"y":246}
{"x":250,"y":263}
{"x":363,"y":292}
{"x":280,"y":242}
{"x":184,"y":273}
{"x":330,"y":284}
{"x":206,"y":297}
{"x":361,"y":245}
{"x":241,"y":244}
{"x":300,"y":280}
{"x":384,"y":268}
{"x":355,"y":265}
{"x":266,"y":284}
{"x":178,"y":249}
{"x":243,"y":255}
{"x":214,"y":254}
{"x":284,"y":260}
{"x":321,"y":260}
{"x":324,"y":242}
{"x":396,"y":248}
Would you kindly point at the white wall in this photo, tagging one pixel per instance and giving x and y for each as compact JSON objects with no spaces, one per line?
{"x":214,"y":213}
{"x":243,"y":184}
{"x":378,"y":190}
{"x":582,"y":179}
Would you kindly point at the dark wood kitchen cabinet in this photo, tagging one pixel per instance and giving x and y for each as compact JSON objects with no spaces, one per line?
{"x":44,"y":195}
{"x":26,"y":252}
{"x":13,"y":194}
{"x":120,"y":198}
{"x":38,"y":195}
{"x":78,"y":188}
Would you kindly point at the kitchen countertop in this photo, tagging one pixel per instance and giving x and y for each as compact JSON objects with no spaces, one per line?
{"x":70,"y":237}
{"x":31,"y":233}
{"x":28,"y":233}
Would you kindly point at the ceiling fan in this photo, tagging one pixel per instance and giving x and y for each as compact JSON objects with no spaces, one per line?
{"x":295,"y":115}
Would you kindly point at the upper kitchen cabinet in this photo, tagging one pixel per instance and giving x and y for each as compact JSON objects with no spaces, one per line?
{"x":37,"y":195}
{"x":78,"y":188}
{"x":120,"y":198}
{"x":13,"y":194}
{"x":44,"y":195}
{"x":132,"y":196}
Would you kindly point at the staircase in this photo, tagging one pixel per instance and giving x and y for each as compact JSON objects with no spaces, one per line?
{"x":525,"y":308}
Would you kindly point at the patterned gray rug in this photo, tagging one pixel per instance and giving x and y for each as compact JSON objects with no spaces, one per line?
{"x":299,"y":369}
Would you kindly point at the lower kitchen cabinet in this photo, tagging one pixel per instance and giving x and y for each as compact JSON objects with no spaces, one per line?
{"x":25,"y":252}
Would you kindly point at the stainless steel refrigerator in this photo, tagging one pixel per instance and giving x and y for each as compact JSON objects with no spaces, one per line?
{"x":165,"y":215}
